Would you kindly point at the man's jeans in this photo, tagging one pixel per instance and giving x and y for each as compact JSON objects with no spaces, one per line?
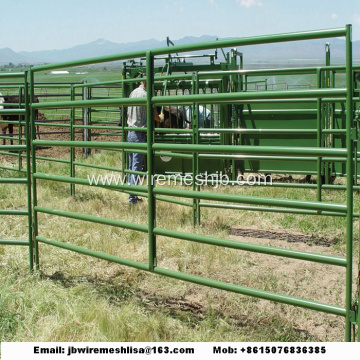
{"x":135,"y":161}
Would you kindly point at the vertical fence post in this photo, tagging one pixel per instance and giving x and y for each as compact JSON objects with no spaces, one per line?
{"x":195,"y":140}
{"x":150,"y":159}
{"x":319,"y":142}
{"x":28,"y":169}
{"x":86,"y":151}
{"x":35,"y":251}
{"x":327,"y":167}
{"x":72,"y":138}
{"x":20,"y":94}
{"x":349,"y":182}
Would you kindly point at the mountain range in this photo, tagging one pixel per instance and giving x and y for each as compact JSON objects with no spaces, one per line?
{"x":311,"y":49}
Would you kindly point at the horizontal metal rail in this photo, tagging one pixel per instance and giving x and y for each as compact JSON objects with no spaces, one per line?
{"x":254,"y":200}
{"x":99,"y":255}
{"x":313,"y":305}
{"x":247,"y":149}
{"x":199,"y":98}
{"x":78,"y":181}
{"x":14,"y":242}
{"x":263,"y":249}
{"x":13,"y":180}
{"x":235,"y":149}
{"x":245,"y":41}
{"x":273,"y":209}
{"x":13,"y":147}
{"x":12,"y":75}
{"x":93,"y":219}
{"x":14,"y":212}
{"x":283,"y":71}
{"x":11,"y":111}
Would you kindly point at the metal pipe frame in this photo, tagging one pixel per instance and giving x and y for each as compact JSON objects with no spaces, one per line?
{"x":155,"y":193}
{"x":24,"y":111}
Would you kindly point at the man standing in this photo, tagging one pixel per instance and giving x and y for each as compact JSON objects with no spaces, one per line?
{"x":136,"y":117}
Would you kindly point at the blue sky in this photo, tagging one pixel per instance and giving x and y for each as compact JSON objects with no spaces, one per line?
{"x":29,"y":25}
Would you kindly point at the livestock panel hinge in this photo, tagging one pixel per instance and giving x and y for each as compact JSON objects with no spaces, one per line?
{"x":354,"y":313}
{"x":354,"y":133}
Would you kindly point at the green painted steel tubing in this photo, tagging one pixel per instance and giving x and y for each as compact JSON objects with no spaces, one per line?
{"x":91,"y":144}
{"x":90,"y":103}
{"x":253,"y":200}
{"x":280,"y":112}
{"x":262,"y":249}
{"x":7,"y":167}
{"x":13,"y":75}
{"x":141,"y":173}
{"x":199,"y":98}
{"x":13,"y":147}
{"x":176,"y":76}
{"x":55,"y":125}
{"x":282,"y":71}
{"x":150,"y":164}
{"x":12,"y":138}
{"x":260,"y":95}
{"x":127,"y":150}
{"x":247,"y":149}
{"x":127,"y":128}
{"x":97,"y":127}
{"x":173,"y":131}
{"x":350,"y":176}
{"x":295,"y":101}
{"x":245,"y":41}
{"x":16,"y":122}
{"x":276,"y":210}
{"x":93,"y":219}
{"x":14,"y":242}
{"x":96,"y":254}
{"x":96,"y":166}
{"x":88,"y":85}
{"x":312,"y":305}
{"x":272,"y":158}
{"x":262,"y":131}
{"x":174,"y":201}
{"x":14,"y":212}
{"x":12,"y":111}
{"x":130,"y":80}
{"x":77,"y":181}
{"x":174,"y":155}
{"x":63,"y":161}
{"x":13,"y":181}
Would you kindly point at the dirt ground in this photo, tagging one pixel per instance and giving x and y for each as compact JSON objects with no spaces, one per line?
{"x":55,"y":133}
{"x":303,"y":279}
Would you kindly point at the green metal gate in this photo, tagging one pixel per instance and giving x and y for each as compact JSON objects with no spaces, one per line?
{"x":155,"y":147}
{"x":20,"y":153}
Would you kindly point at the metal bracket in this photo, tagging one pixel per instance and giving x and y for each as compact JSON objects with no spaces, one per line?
{"x":354,"y":313}
{"x":354,"y":134}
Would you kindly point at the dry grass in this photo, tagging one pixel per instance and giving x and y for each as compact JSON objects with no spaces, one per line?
{"x":78,"y":298}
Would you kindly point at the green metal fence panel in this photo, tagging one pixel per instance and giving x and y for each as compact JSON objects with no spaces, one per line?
{"x":255,"y":130}
{"x":21,"y":110}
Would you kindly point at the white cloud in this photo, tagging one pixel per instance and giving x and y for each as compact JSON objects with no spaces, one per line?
{"x":213,"y":3}
{"x":249,"y":3}
{"x":334,"y":16}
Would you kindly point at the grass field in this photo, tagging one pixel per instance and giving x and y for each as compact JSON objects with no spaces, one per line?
{"x":78,"y":298}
